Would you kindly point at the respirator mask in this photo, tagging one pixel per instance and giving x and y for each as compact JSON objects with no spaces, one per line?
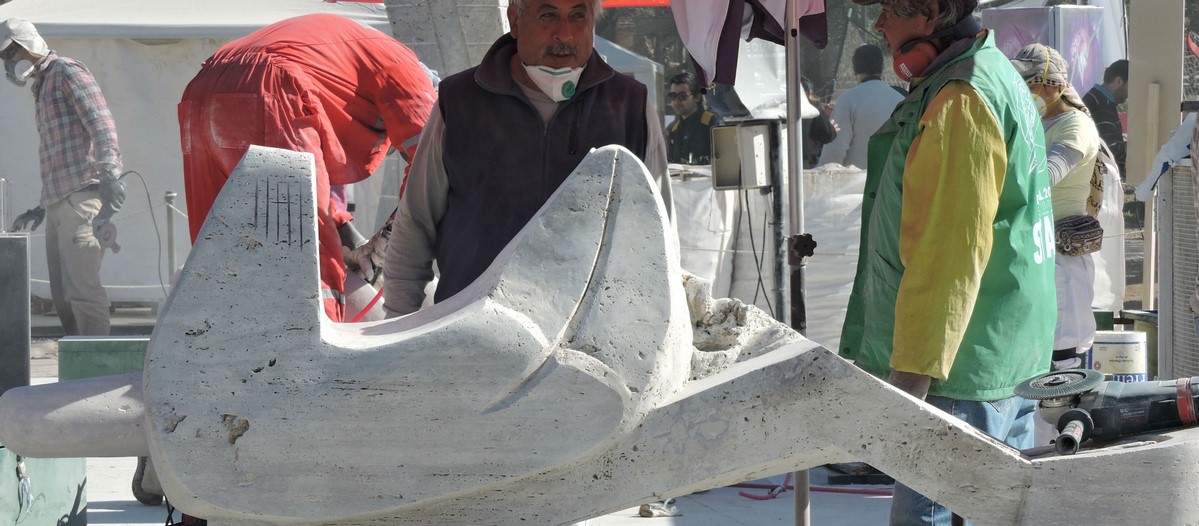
{"x":557,"y":83}
{"x":1041,"y":105}
{"x":17,"y":34}
{"x":19,"y":71}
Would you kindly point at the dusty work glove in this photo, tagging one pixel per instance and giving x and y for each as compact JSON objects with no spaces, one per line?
{"x":350,"y":241}
{"x":112,"y":195}
{"x":367,"y":258}
{"x":30,"y":219}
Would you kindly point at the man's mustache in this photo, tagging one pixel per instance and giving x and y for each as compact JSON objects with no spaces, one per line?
{"x":562,"y":48}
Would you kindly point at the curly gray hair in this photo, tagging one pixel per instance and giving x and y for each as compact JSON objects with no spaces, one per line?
{"x":596,"y":5}
{"x":949,"y":11}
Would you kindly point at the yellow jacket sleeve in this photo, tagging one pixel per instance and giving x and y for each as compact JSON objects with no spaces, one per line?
{"x":952,"y":180}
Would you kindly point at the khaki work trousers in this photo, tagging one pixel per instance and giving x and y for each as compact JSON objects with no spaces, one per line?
{"x":73,"y":256}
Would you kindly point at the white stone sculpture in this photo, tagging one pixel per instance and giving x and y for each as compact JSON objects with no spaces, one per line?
{"x":569,"y":381}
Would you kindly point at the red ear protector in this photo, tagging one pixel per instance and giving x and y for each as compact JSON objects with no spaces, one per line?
{"x":912,"y":58}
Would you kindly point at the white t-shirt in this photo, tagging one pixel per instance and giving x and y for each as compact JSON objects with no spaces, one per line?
{"x":1075,"y":130}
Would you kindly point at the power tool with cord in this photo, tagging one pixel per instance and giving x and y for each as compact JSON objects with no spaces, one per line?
{"x":1081,"y":405}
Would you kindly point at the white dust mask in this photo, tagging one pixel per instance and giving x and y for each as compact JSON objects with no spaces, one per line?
{"x":557,"y":83}
{"x":19,"y":72}
{"x":1041,"y":105}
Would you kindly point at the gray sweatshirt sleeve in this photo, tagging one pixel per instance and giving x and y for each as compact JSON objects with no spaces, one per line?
{"x":1060,"y":159}
{"x":408,"y":265}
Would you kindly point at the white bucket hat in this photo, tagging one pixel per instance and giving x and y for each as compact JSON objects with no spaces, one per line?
{"x":22,"y":32}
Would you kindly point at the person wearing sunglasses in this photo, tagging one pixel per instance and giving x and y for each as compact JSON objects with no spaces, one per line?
{"x":689,"y":139}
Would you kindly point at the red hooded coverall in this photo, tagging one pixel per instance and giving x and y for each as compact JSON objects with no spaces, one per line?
{"x":318,"y":83}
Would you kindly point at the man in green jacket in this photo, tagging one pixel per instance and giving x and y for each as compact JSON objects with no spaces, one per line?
{"x":953,"y":299}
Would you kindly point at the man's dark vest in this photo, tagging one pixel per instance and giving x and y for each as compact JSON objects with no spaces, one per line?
{"x":503,"y":163}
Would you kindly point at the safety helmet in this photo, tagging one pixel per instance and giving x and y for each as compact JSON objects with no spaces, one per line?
{"x":22,"y":32}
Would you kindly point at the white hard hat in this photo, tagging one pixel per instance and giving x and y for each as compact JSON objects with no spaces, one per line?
{"x":22,"y":32}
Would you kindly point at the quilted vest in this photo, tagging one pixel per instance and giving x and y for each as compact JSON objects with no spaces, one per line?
{"x":503,"y":162}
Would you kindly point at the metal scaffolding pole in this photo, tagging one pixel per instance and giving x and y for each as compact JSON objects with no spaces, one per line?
{"x":798,"y":317}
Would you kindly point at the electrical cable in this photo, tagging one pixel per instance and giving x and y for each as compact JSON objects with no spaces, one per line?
{"x":736,"y":242}
{"x":760,"y":286}
{"x":753,"y":249}
{"x":765,"y":236}
{"x":368,"y":307}
{"x":157,"y":232}
{"x":170,"y":514}
{"x":774,"y":491}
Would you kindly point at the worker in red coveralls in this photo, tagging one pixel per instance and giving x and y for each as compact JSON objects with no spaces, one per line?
{"x":322,"y":84}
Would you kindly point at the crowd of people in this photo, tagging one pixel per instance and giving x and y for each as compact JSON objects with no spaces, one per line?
{"x":971,"y":167}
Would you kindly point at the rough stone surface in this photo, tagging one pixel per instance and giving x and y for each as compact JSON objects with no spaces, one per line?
{"x":566,"y":383}
{"x":727,"y":331}
{"x":518,"y":374}
{"x":91,"y":417}
{"x":448,"y":35}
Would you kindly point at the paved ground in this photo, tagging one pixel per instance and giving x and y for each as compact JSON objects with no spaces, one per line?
{"x":111,"y":503}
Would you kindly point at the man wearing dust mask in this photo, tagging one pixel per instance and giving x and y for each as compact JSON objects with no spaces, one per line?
{"x":80,"y":167}
{"x":501,"y":139}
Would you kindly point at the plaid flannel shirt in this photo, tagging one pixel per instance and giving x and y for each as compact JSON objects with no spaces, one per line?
{"x":77,"y":132}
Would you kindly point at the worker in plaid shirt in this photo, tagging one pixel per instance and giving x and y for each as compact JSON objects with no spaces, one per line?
{"x":81,"y":167}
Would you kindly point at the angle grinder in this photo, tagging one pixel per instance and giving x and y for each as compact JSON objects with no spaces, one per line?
{"x":1081,"y":405}
{"x":106,"y":235}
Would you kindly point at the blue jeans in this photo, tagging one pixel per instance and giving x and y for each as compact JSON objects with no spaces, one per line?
{"x":1009,"y":420}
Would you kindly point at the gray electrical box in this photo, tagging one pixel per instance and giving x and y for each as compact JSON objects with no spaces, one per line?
{"x":742,"y":154}
{"x":14,"y":311}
